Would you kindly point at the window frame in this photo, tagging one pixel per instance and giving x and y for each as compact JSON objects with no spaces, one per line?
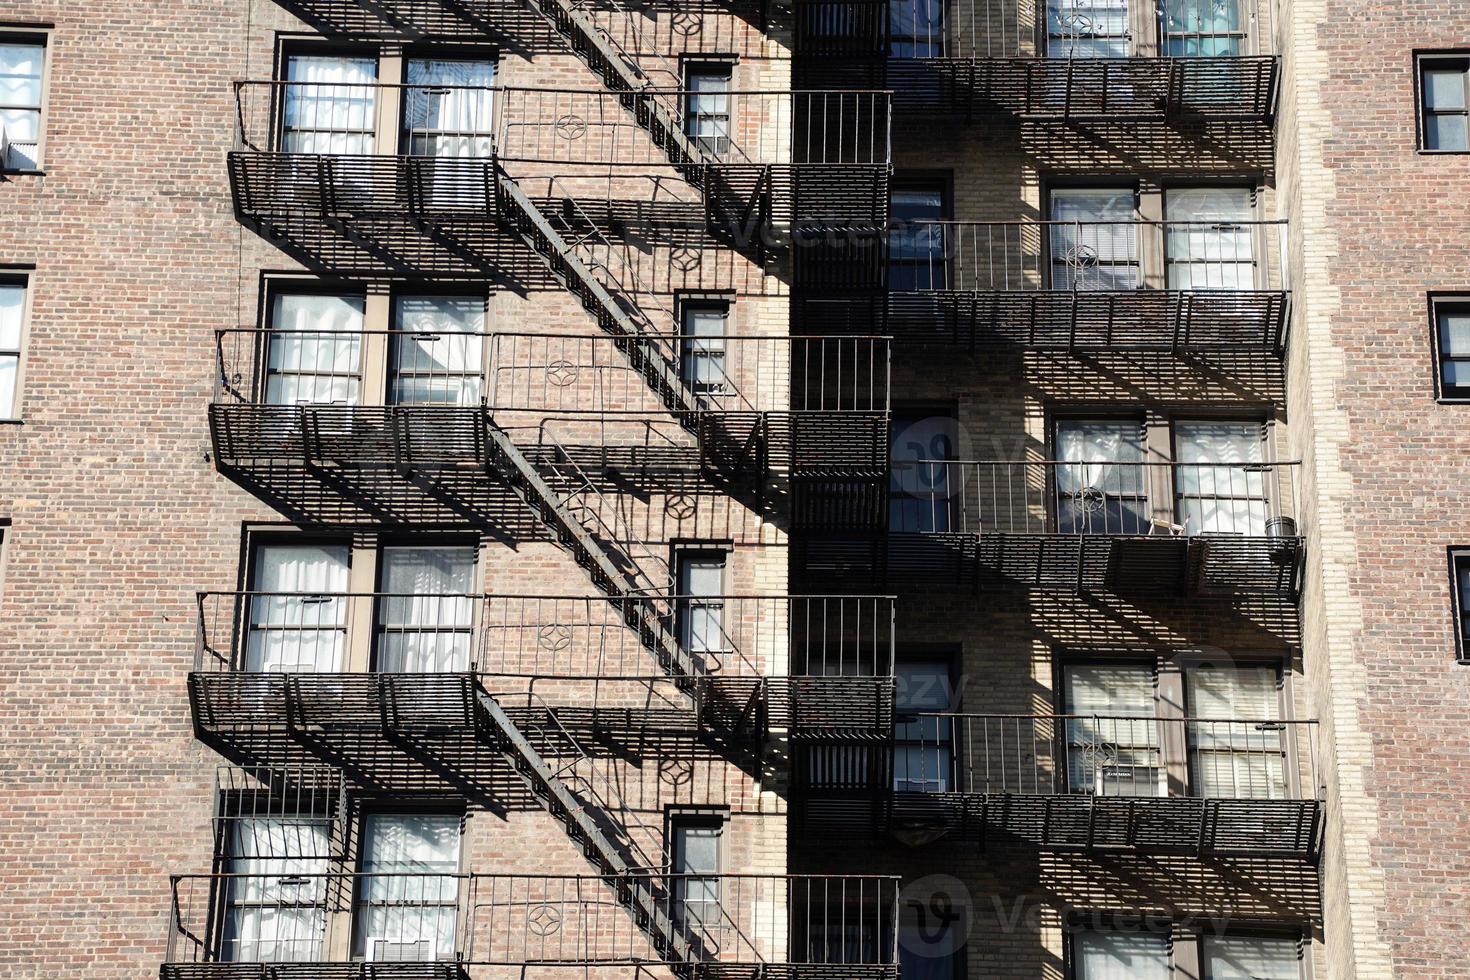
{"x":380,"y":629}
{"x":951,"y":658}
{"x":23,"y":278}
{"x":1458,"y":555}
{"x":686,"y":304}
{"x":1298,"y":935}
{"x":1438,"y":302}
{"x":1423,"y":62}
{"x":39,"y":35}
{"x":387,"y":807}
{"x":710,"y":65}
{"x":924,"y":180}
{"x":1103,"y":184}
{"x":677,"y":819}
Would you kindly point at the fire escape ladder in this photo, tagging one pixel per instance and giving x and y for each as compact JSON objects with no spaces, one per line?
{"x":635,"y":891}
{"x":593,"y":555}
{"x":619,"y":71}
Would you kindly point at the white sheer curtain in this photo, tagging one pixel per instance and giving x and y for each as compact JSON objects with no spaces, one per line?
{"x":1209,"y":243}
{"x":1218,"y":491}
{"x":426,"y":617}
{"x":923,"y":749}
{"x":1118,"y":756}
{"x":21,"y":67}
{"x":12,"y":310}
{"x":1094,"y":240}
{"x":1234,"y":758}
{"x":1100,"y":483}
{"x":408,"y":899}
{"x":438,"y":350}
{"x":315,"y":355}
{"x":1251,"y":958}
{"x":1087,"y":28}
{"x":330,"y":104}
{"x":277,"y":901}
{"x":305,"y":632}
{"x":449,"y":108}
{"x":1107,"y":955}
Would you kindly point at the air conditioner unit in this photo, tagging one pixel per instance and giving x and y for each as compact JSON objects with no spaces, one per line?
{"x":400,"y":951}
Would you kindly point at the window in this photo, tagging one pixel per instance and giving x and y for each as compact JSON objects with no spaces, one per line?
{"x":919,"y":498}
{"x":923,"y":740}
{"x":438,"y":349}
{"x":1202,"y":28}
{"x":1235,"y":752}
{"x":12,"y":330}
{"x":330,"y":104}
{"x":707,"y":106}
{"x":1094,"y":239}
{"x":1101,"y":482}
{"x":1087,"y":28}
{"x":916,"y":28}
{"x":701,"y":612}
{"x":694,"y":862}
{"x":298,"y":608}
{"x":1110,"y":954}
{"x":276,"y":901}
{"x":917,"y":259}
{"x":448,"y":108}
{"x":1460,"y":568}
{"x":22,"y":94}
{"x":1112,"y":737}
{"x":426,"y":613}
{"x":1208,"y":239}
{"x":1215,"y":498}
{"x":408,"y":895}
{"x":931,"y":939}
{"x":315,"y":349}
{"x":1238,"y":957}
{"x":1451,"y":347}
{"x":1444,"y":94}
{"x":704,"y":325}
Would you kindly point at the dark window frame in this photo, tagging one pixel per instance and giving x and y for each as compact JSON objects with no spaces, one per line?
{"x":39,"y":36}
{"x":1438,"y":304}
{"x":686,"y":303}
{"x":21,"y":278}
{"x":713,"y":66}
{"x":941,"y":181}
{"x":1459,"y":557}
{"x":1424,"y":61}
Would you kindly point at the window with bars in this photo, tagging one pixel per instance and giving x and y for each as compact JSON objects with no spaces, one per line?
{"x":1088,"y":28}
{"x":22,"y":96}
{"x":438,"y":350}
{"x":408,"y":896}
{"x":1101,"y":483}
{"x":330,"y":104}
{"x":916,"y":28}
{"x":1094,"y":238}
{"x":1209,"y":238}
{"x":1451,"y":332}
{"x":1444,"y":103}
{"x":426,"y":614}
{"x":276,"y":901}
{"x":13,"y":297}
{"x":923,"y":746}
{"x":1202,"y":28}
{"x":917,"y":259}
{"x":298,"y":608}
{"x":314,"y":353}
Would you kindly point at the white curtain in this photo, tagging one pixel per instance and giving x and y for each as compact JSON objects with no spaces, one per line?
{"x":1208,"y":243}
{"x":703,"y":352}
{"x":1218,"y":493}
{"x":449,"y":108}
{"x":1251,"y":958}
{"x":315,"y":355}
{"x":21,"y":66}
{"x":12,"y":309}
{"x":278,"y":899}
{"x":923,"y":752}
{"x":1118,"y":756}
{"x":1087,"y":28}
{"x":426,"y":617}
{"x":1234,"y":755}
{"x":1094,"y":241}
{"x":1107,"y":955}
{"x":409,"y":896}
{"x":306,"y":632}
{"x":330,"y":105}
{"x":438,"y":351}
{"x":1100,"y":484}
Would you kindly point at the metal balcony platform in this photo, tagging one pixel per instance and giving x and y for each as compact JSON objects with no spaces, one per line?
{"x":1143,"y":825}
{"x":397,"y":437}
{"x":313,"y":971}
{"x":937,"y":563}
{"x":514,"y":26}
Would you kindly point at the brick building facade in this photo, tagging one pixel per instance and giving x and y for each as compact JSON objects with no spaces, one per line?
{"x":730,"y":489}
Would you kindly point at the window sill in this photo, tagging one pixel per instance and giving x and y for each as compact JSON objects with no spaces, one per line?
{"x":1426,"y":152}
{"x":21,"y":173}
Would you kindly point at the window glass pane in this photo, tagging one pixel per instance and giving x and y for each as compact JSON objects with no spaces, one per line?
{"x":697,"y":849}
{"x":1251,"y":958}
{"x":277,"y":905}
{"x":426,"y":615}
{"x":449,"y":107}
{"x":1094,"y":241}
{"x":703,"y":349}
{"x":1112,"y":747}
{"x":1087,"y":28}
{"x":1104,"y":955}
{"x":696,"y":853}
{"x":12,"y":308}
{"x":1215,"y":498}
{"x":1108,"y":495}
{"x":408,"y":901}
{"x":9,"y":370}
{"x":315,"y":350}
{"x":916,"y":28}
{"x":1444,"y":89}
{"x":1454,"y":332}
{"x":919,"y":498}
{"x":1446,"y":132}
{"x":707,"y":108}
{"x":305,"y":629}
{"x":1232,"y":754}
{"x":1202,"y":28}
{"x":20,"y":74}
{"x":1462,"y":570}
{"x":332,"y":107}
{"x":1208,"y":241}
{"x":438,"y":350}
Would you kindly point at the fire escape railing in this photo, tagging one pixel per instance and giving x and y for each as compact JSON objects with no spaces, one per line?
{"x":1056,"y":59}
{"x":312,"y":915}
{"x":1167,"y":286}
